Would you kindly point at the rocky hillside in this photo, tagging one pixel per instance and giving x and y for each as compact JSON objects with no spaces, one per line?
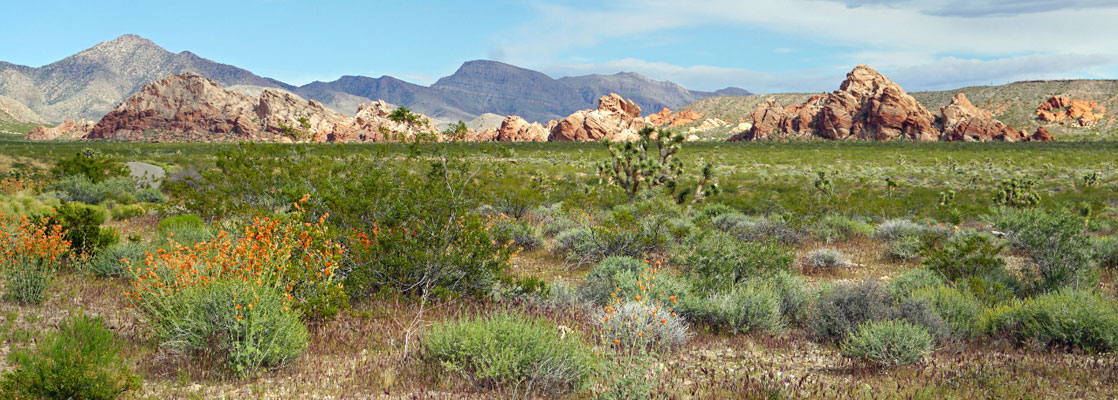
{"x":1014,"y":104}
{"x":16,"y":118}
{"x":89,"y":84}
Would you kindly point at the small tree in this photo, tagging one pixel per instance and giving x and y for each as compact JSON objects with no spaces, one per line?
{"x":632,"y":166}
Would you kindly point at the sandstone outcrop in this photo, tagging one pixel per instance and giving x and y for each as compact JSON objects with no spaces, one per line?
{"x":867,"y":106}
{"x":516,"y":129}
{"x":191,"y":108}
{"x":615,"y":119}
{"x":68,"y":129}
{"x":1059,"y":109}
{"x":962,"y":121}
{"x":666,"y":117}
{"x":1041,"y":135}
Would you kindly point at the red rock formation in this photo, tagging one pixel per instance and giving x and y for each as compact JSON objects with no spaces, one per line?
{"x":1058,"y":109}
{"x":661,"y":118}
{"x":68,"y":129}
{"x":665,"y":117}
{"x":867,"y":106}
{"x":1041,"y":135}
{"x":962,"y":121}
{"x":615,"y":119}
{"x":516,"y":129}
{"x":191,"y":108}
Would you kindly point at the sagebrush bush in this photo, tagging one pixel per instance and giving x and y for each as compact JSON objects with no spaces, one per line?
{"x":913,"y":280}
{"x":895,"y":229}
{"x":1068,"y":317}
{"x":511,"y":350}
{"x":114,"y":260}
{"x":80,"y":361}
{"x":642,"y":325}
{"x":959,"y":309}
{"x":247,"y":326}
{"x":888,"y":343}
{"x":906,"y":248}
{"x":838,"y":228}
{"x":1056,"y":244}
{"x":826,"y":259}
{"x":717,"y":261}
{"x":842,"y":308}
{"x":81,"y":189}
{"x":151,"y":195}
{"x":755,"y":306}
{"x":919,"y":311}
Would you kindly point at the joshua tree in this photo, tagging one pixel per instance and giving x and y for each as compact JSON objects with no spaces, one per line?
{"x":638,"y":164}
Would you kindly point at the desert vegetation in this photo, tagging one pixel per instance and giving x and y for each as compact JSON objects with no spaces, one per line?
{"x":650,"y":269}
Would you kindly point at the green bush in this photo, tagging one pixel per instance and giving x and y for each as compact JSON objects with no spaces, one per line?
{"x":913,"y":280}
{"x":82,"y":224}
{"x":522,"y":234}
{"x":81,"y":361}
{"x":906,"y":248}
{"x":755,"y":306}
{"x":107,"y":262}
{"x":128,"y":211}
{"x":247,"y":326}
{"x":91,"y":164}
{"x":623,"y":278}
{"x":1064,"y":317}
{"x":966,"y":256}
{"x":712,"y":210}
{"x":80,"y":189}
{"x":795,"y":295}
{"x":717,"y":261}
{"x":511,"y":350}
{"x":842,"y":308}
{"x":1056,"y":244}
{"x":185,"y":229}
{"x":29,"y":283}
{"x":151,"y":195}
{"x":1106,"y":251}
{"x":559,"y":225}
{"x":755,"y":229}
{"x":919,"y":311}
{"x":959,"y":309}
{"x":837,"y":228}
{"x":888,"y":343}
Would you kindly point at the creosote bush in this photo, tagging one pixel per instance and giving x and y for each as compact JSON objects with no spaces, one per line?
{"x":754,"y":306}
{"x":717,"y":261}
{"x":80,"y":361}
{"x":888,"y":343}
{"x":1055,"y":243}
{"x":512,"y":351}
{"x":959,"y":309}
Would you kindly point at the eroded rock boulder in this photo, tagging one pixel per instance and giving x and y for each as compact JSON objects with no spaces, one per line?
{"x":963,"y":122}
{"x":1060,"y":109}
{"x":67,"y":130}
{"x":615,"y":119}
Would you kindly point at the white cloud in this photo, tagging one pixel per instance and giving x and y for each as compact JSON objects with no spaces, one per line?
{"x":988,"y":41}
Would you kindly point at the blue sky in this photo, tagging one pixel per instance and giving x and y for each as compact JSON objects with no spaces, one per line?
{"x":764,"y":46}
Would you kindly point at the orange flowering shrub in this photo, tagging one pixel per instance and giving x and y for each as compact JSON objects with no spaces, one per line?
{"x":644,"y":322}
{"x":298,"y":259}
{"x":29,"y":255}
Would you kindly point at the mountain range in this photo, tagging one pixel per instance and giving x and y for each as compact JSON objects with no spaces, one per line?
{"x":92,"y":82}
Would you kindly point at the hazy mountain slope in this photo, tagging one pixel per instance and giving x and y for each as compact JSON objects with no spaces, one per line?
{"x":17,"y":118}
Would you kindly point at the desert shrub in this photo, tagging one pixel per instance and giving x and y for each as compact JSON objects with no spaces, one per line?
{"x":249,"y":327}
{"x":795,"y":295}
{"x":765,"y":229}
{"x":1106,"y":251}
{"x":114,"y":260}
{"x":717,"y":261}
{"x":913,"y":280}
{"x":896,"y":229}
{"x":711,"y":210}
{"x":578,"y":245}
{"x":151,"y":195}
{"x":842,"y":308}
{"x":91,"y":164}
{"x":80,"y":189}
{"x":959,"y":309}
{"x":642,"y":325}
{"x":627,"y":278}
{"x":1056,"y":245}
{"x":511,"y":350}
{"x":128,"y":211}
{"x":919,"y":311}
{"x":563,"y":295}
{"x":888,"y":343}
{"x":24,"y":203}
{"x":1064,"y":317}
{"x":80,"y":361}
{"x":522,"y":234}
{"x":734,"y":223}
{"x":298,"y":259}
{"x":186,"y":229}
{"x":826,"y":259}
{"x":559,"y":225}
{"x":680,"y":227}
{"x":82,"y":224}
{"x":837,"y":228}
{"x":755,"y":306}
{"x":965,"y":256}
{"x":906,"y":248}
{"x":29,"y":256}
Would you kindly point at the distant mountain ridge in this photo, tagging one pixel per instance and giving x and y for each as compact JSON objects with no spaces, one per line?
{"x":92,"y":82}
